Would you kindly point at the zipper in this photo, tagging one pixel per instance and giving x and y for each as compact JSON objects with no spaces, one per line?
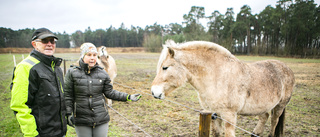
{"x":52,"y":65}
{"x":75,"y":109}
{"x":60,"y":85}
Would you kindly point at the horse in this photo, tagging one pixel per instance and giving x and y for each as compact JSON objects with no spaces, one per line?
{"x":226,"y":85}
{"x":108,"y":63}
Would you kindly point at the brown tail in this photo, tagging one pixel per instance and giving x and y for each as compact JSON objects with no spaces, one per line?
{"x":280,"y":125}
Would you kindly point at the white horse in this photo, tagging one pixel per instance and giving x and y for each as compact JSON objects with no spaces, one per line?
{"x":105,"y":60}
{"x":226,"y":85}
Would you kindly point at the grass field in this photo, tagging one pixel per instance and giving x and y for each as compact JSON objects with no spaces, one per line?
{"x":163,"y":118}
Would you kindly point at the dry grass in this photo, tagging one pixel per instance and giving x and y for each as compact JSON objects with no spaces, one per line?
{"x":163,"y":118}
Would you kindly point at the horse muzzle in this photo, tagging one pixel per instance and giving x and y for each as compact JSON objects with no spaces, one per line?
{"x":157,"y":92}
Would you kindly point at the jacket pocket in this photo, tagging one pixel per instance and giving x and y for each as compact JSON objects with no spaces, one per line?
{"x":45,"y":77}
{"x":48,"y":85}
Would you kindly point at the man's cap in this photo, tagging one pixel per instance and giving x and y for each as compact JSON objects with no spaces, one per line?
{"x":42,"y":33}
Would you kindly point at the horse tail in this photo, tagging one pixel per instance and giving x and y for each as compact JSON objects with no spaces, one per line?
{"x":280,"y":126}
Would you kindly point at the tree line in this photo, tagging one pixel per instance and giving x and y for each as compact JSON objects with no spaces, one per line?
{"x":292,"y":28}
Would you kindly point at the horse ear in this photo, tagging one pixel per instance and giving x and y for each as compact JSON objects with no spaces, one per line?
{"x":171,"y":52}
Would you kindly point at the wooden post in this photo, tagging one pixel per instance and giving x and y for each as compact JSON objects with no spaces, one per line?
{"x":14,"y":61}
{"x":64,"y":67}
{"x":204,"y":124}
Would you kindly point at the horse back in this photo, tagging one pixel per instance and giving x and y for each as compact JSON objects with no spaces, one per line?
{"x":273,"y":74}
{"x":271,"y":84}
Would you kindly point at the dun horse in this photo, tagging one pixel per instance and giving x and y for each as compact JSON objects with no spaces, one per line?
{"x":109,"y":64}
{"x":226,"y":85}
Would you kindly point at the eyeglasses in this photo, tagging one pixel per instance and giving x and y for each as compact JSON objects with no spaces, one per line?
{"x":46,"y":40}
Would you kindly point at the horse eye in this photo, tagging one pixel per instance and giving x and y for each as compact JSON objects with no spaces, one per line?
{"x":164,"y":68}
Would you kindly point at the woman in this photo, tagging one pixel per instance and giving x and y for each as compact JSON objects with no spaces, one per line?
{"x":86,"y":86}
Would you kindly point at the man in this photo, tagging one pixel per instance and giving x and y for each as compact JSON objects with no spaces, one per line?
{"x":37,"y":89}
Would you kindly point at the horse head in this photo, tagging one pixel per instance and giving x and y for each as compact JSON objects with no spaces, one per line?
{"x":102,"y":51}
{"x":170,"y":73}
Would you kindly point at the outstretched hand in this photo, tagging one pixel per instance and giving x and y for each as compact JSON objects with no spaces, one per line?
{"x":135,"y":97}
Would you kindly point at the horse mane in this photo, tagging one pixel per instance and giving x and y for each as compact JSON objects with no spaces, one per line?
{"x":192,"y":45}
{"x":162,"y":57}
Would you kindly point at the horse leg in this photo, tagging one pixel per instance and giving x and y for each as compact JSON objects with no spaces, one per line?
{"x":258,"y":130}
{"x":216,"y":127}
{"x":231,"y":117}
{"x":277,"y":121}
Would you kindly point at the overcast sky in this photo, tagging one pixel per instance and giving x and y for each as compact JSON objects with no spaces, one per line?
{"x":73,"y":15}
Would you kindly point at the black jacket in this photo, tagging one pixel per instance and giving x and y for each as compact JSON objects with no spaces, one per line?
{"x":84,"y":94}
{"x":37,"y":96}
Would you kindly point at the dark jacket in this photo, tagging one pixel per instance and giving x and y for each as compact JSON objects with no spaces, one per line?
{"x":37,"y":96}
{"x":84,"y":94}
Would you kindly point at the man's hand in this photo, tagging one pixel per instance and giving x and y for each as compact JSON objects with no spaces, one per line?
{"x":70,"y":120}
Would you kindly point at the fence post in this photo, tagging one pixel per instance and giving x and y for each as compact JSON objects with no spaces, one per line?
{"x":64,"y":67}
{"x":204,"y":124}
{"x":14,"y":61}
